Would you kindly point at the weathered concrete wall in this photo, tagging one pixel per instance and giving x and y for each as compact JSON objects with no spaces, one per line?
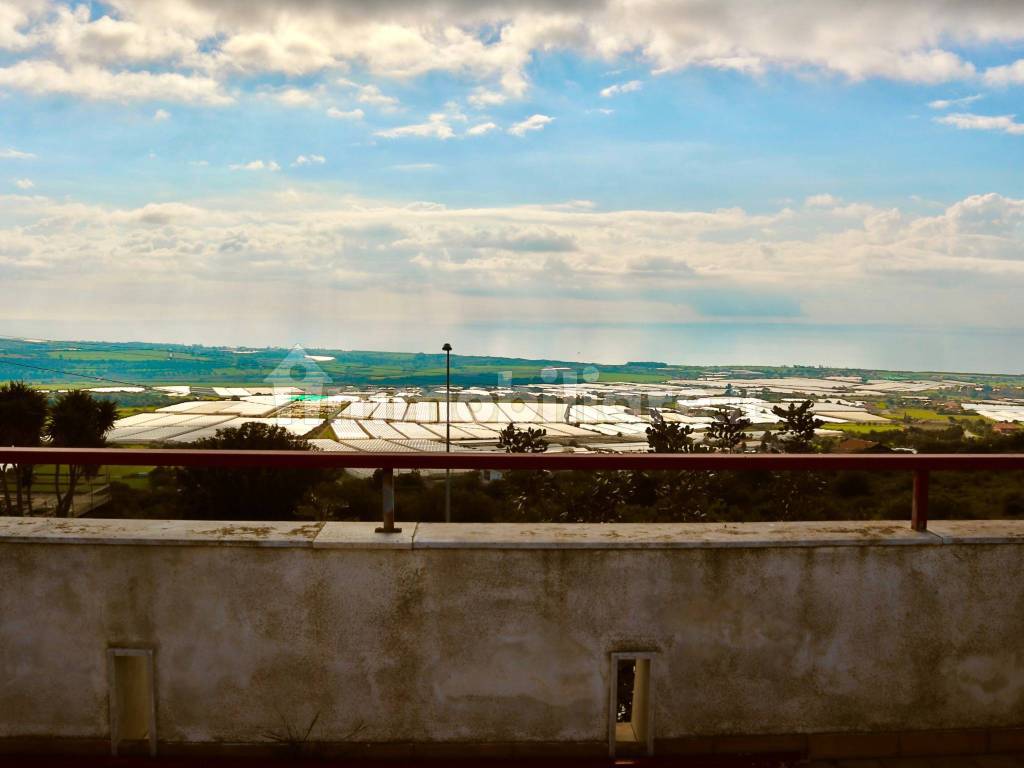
{"x":498,"y":634}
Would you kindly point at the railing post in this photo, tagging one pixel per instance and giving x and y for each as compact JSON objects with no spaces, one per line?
{"x":387,"y":492}
{"x":919,"y":511}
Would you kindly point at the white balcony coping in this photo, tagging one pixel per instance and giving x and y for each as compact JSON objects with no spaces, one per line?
{"x":665,"y":535}
{"x":360,"y":535}
{"x":978,"y":531}
{"x":48,"y":530}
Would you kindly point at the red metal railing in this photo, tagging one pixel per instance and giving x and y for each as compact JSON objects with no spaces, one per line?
{"x":918,"y":464}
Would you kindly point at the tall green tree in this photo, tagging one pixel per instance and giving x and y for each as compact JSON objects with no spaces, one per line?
{"x":533,"y":491}
{"x":529,"y":440}
{"x":797,"y":494}
{"x":727,"y":433}
{"x":23,"y":412}
{"x":798,"y":424}
{"x":212,"y":493}
{"x":666,"y":437}
{"x":78,"y":420}
{"x":685,"y":495}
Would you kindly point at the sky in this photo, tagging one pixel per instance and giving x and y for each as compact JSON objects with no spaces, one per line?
{"x":728,"y":182}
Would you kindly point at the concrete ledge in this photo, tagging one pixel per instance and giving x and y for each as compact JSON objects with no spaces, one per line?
{"x":48,"y":530}
{"x":978,"y":531}
{"x":363,"y":536}
{"x":666,"y":535}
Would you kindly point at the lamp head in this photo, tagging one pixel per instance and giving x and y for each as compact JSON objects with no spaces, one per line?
{"x":447,"y":347}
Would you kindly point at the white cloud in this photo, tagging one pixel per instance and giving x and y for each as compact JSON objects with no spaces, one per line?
{"x":436,"y":127}
{"x":947,"y":103}
{"x":615,"y":90}
{"x":256,"y":165}
{"x":574,"y":205}
{"x":372,"y":265}
{"x":338,"y":114}
{"x":481,"y":129}
{"x":310,"y":160}
{"x":288,"y":49}
{"x":483,"y":97}
{"x":1007,"y":74}
{"x":160,"y":115}
{"x":196,"y":47}
{"x":14,"y":19}
{"x":822,"y":201}
{"x":92,"y":82}
{"x":158,"y":215}
{"x":24,"y":183}
{"x":968,"y":122}
{"x":386,"y":258}
{"x":106,"y":40}
{"x":923,"y":66}
{"x":370,"y":94}
{"x":13,"y":154}
{"x":532,"y":123}
{"x":294,"y":97}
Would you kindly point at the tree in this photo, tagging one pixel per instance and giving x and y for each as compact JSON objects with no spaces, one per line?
{"x":798,"y":425}
{"x":796,"y":494}
{"x":528,"y":440}
{"x":727,"y":432}
{"x":78,"y":420}
{"x":769,"y":442}
{"x":684,"y":495}
{"x":663,"y":437}
{"x":210,"y":493}
{"x":533,"y":491}
{"x":23,"y":413}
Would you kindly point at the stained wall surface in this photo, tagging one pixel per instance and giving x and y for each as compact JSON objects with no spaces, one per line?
{"x":501,"y":634}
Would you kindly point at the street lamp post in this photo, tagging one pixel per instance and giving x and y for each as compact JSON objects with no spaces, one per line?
{"x":447,"y":349}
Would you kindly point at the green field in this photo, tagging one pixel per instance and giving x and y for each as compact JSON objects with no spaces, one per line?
{"x":916,"y":414}
{"x":929,"y":416}
{"x":79,"y":363}
{"x":119,"y":356}
{"x":861,"y":430}
{"x":134,"y":477}
{"x":58,"y":364}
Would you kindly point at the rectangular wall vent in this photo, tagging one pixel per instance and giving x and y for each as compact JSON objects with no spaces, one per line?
{"x":630,"y":711}
{"x":132,"y":700}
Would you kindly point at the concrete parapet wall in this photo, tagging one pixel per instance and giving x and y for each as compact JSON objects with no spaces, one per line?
{"x":477,"y":635}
